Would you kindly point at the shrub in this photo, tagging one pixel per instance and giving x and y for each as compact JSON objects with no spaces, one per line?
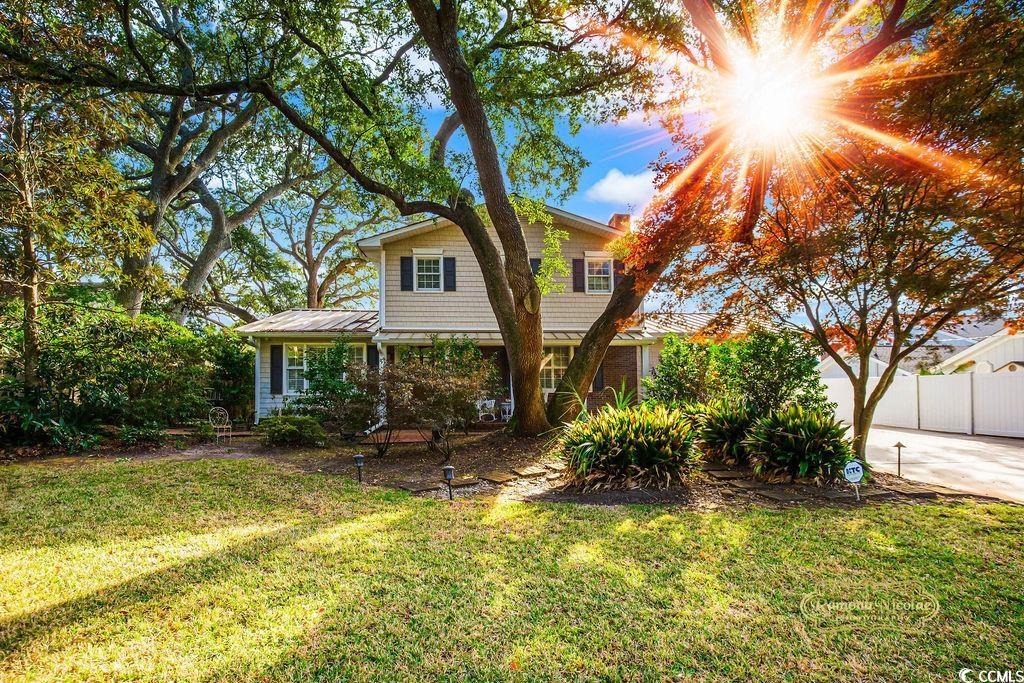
{"x":773,"y":369}
{"x":798,"y":443}
{"x":147,"y":434}
{"x":291,"y":430}
{"x":766,"y":370}
{"x":230,"y":375}
{"x":723,"y":429}
{"x":99,"y":367}
{"x":331,"y":392}
{"x":690,"y":371}
{"x":640,"y":446}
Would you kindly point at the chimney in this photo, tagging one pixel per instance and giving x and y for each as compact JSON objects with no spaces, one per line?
{"x":619,"y":221}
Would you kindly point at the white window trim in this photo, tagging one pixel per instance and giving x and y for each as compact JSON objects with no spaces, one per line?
{"x":594,"y":257}
{"x":305,"y":362}
{"x":433,"y":256}
{"x":545,"y":360}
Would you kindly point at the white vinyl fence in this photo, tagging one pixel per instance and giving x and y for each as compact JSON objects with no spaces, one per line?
{"x":970,"y":403}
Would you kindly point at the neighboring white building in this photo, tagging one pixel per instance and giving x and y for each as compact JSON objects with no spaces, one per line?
{"x":1000,"y":352}
{"x":828,"y":369}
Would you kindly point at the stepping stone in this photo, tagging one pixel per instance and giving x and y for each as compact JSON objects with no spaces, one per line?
{"x":913,"y":490}
{"x":783,"y":496}
{"x":497,"y":477}
{"x":728,"y":474}
{"x":837,"y":494}
{"x":714,"y":466}
{"x":943,"y":491}
{"x":417,"y":486}
{"x":556,"y":466}
{"x":529,"y":471}
{"x":749,"y":484}
{"x":551,"y":476}
{"x":464,"y":482}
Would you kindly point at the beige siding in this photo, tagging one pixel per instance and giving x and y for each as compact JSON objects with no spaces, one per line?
{"x":468,"y":308}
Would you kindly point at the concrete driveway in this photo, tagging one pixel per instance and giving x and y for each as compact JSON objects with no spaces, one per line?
{"x":985,"y":465}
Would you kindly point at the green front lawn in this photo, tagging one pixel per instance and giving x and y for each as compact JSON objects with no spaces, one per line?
{"x":232,"y":570}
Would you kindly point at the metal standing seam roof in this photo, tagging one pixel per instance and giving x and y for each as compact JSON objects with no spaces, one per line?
{"x":336,"y":321}
{"x":306,"y":320}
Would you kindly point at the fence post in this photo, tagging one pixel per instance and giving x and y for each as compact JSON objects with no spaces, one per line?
{"x":917,"y":398}
{"x":972,"y":402}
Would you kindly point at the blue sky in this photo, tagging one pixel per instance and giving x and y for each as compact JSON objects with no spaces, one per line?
{"x":619,"y":179}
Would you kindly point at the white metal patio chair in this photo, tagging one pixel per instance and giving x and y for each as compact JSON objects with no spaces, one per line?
{"x":485,"y":410}
{"x":221,"y":423}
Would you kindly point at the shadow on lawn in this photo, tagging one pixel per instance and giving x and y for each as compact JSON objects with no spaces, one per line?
{"x":159,"y":584}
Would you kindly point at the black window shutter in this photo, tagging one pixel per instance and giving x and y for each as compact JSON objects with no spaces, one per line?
{"x":405,"y":268}
{"x":276,"y":369}
{"x":372,"y":356}
{"x":535,"y":265}
{"x":449,"y":273}
{"x":618,"y":272}
{"x":599,"y":378}
{"x":579,"y":275}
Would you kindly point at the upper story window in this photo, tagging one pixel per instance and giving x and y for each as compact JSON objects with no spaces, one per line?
{"x":428,"y":274}
{"x":599,"y":276}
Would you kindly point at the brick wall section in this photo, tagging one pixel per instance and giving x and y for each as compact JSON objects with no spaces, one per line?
{"x":620,"y":363}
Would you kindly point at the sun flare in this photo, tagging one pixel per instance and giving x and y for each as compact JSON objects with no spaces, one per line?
{"x":780,"y":97}
{"x":769,"y":100}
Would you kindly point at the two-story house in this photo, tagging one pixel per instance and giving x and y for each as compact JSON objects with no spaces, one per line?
{"x":431,"y":285}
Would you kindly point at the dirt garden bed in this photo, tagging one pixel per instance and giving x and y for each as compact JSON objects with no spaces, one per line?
{"x":496,"y":464}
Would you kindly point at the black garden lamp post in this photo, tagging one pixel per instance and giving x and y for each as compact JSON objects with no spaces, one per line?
{"x":449,"y":475}
{"x":359,"y":458}
{"x":899,"y":458}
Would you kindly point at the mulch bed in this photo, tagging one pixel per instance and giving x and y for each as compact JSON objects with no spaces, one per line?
{"x":494,"y":463}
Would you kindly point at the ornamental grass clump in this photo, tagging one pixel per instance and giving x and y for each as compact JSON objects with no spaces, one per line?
{"x":794,"y":443}
{"x":722,"y":430}
{"x":639,"y":446}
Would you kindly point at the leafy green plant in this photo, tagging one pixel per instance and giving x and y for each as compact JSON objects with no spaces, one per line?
{"x":797,"y":443}
{"x":723,"y":428}
{"x":291,"y":430}
{"x":230,"y":377}
{"x":331,"y":392}
{"x":643,"y":445}
{"x":766,"y":370}
{"x":151,"y":434}
{"x":773,"y":369}
{"x":691,"y":370}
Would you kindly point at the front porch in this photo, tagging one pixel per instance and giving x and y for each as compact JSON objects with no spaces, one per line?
{"x":626,"y":362}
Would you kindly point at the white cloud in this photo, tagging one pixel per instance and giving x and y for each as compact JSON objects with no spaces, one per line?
{"x":623,"y":188}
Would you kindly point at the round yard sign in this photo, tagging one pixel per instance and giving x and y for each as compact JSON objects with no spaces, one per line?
{"x":853,"y":472}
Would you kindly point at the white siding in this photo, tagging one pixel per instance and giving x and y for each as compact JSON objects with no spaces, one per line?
{"x":1011,"y":348}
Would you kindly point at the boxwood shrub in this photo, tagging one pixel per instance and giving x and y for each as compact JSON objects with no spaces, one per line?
{"x":794,"y":443}
{"x":291,"y":430}
{"x":644,"y":445}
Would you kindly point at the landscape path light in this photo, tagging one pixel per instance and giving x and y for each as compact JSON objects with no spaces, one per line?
{"x":449,"y":475}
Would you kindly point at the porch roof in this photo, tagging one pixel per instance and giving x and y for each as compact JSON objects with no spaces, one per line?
{"x":315,"y":321}
{"x":494,"y":337}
